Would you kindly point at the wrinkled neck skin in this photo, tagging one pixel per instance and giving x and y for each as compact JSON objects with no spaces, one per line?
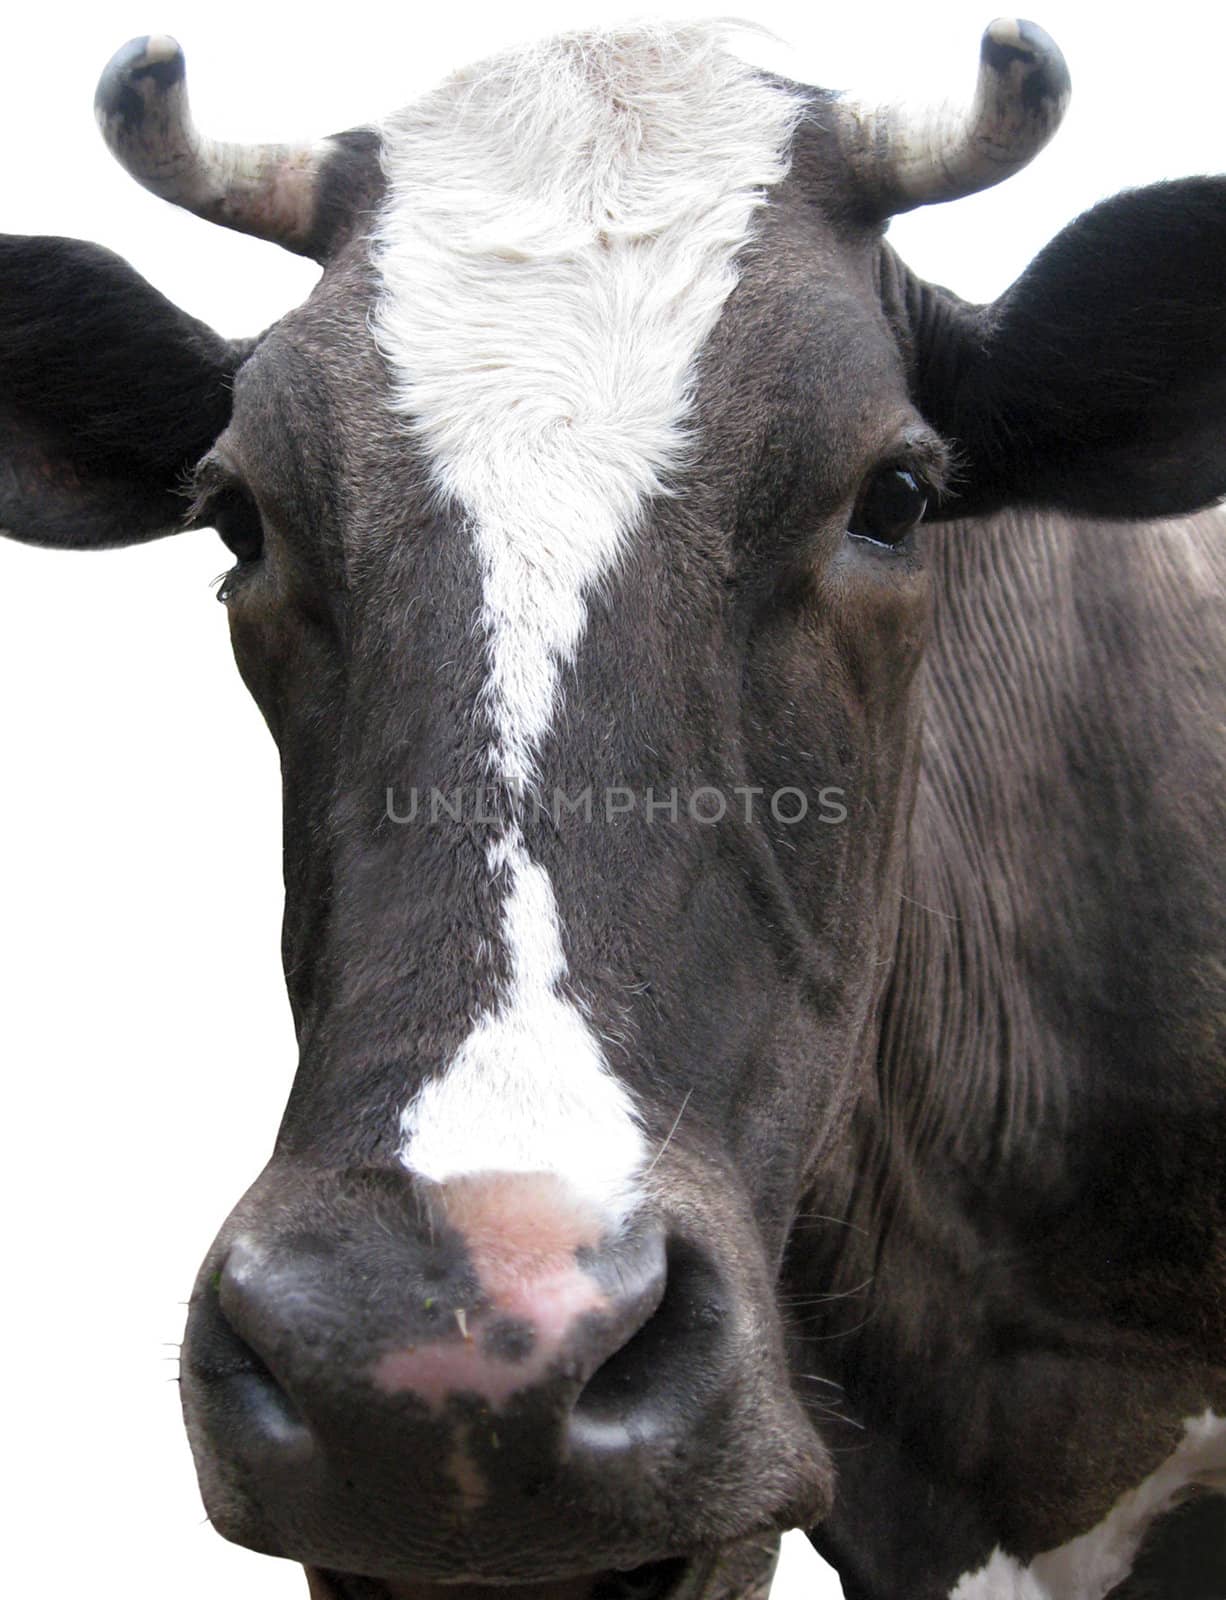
{"x":1010,"y":1283}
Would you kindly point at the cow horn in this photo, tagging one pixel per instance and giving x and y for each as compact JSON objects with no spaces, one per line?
{"x":903,"y":159}
{"x":268,"y":190}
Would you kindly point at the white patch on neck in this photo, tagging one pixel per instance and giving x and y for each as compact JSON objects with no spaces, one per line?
{"x":558,"y":242}
{"x":1090,"y":1566}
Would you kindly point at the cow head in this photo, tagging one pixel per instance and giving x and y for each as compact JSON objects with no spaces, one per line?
{"x":581,"y":578}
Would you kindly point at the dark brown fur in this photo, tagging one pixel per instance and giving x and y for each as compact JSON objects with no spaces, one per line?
{"x":952,"y":1073}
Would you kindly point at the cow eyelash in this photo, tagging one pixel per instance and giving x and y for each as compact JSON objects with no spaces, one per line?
{"x":895,"y":497}
{"x":228,"y":583}
{"x":892,"y":502}
{"x":220,"y":502}
{"x":236,"y":518}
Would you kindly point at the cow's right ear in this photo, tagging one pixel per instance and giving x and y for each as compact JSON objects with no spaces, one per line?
{"x":109,"y":395}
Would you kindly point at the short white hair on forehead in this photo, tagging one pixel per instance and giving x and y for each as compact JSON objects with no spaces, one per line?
{"x":559,"y":239}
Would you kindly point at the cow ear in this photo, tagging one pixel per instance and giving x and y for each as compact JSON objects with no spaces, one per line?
{"x":109,"y":395}
{"x":1097,"y":383}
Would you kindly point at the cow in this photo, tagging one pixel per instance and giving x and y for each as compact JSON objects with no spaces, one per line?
{"x":751,"y":733}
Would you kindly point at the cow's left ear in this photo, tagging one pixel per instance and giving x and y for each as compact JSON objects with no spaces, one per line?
{"x":1097,"y":383}
{"x":109,"y":395}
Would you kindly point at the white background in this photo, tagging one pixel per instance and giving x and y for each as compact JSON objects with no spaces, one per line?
{"x":145,"y":1041}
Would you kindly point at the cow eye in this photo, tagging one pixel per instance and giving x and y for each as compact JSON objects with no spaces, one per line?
{"x":237,"y":519}
{"x":892,"y":503}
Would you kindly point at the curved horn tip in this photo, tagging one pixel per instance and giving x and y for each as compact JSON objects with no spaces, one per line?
{"x":142,"y":68}
{"x":1014,"y":40}
{"x":905,"y":158}
{"x":141,"y":74}
{"x":266,"y":190}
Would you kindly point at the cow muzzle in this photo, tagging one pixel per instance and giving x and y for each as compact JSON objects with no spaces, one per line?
{"x":480,"y":1383}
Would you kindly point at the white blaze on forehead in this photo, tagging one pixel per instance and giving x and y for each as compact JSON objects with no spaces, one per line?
{"x":1090,"y":1566}
{"x":558,"y":242}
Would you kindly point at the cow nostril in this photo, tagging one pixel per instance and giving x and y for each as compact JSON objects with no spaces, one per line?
{"x":272,"y":1420}
{"x":268,"y":1421}
{"x":643,"y":1386}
